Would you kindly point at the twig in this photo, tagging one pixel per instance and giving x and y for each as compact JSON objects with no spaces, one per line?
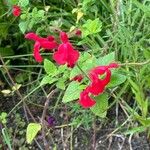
{"x":46,"y":144}
{"x":25,"y":107}
{"x":94,"y":135}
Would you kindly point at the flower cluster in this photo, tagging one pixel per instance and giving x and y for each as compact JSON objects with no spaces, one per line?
{"x":65,"y":53}
{"x":16,"y":10}
{"x":97,"y":84}
{"x":48,"y":43}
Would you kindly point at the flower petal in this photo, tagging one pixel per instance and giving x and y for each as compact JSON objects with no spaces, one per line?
{"x":48,"y":44}
{"x":64,"y":37}
{"x":96,"y":87}
{"x":16,"y":10}
{"x":32,"y":36}
{"x":78,"y":78}
{"x":60,"y":56}
{"x":107,"y":78}
{"x":85,"y":100}
{"x":36,"y":52}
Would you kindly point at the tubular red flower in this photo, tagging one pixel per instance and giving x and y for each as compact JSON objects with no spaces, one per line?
{"x":113,"y":65}
{"x":16,"y":10}
{"x":64,"y":37}
{"x":85,"y":100}
{"x":36,"y":52}
{"x":97,"y":85}
{"x":78,"y":78}
{"x":32,"y":36}
{"x":66,"y":53}
{"x":48,"y":43}
{"x":78,"y":32}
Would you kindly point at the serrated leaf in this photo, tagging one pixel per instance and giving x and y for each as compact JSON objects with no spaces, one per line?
{"x":49,"y":67}
{"x":72,"y":92}
{"x":106,"y":59}
{"x":47,"y":80}
{"x":61,"y":84}
{"x":23,"y":26}
{"x":91,"y":27}
{"x":86,"y":62}
{"x":101,"y":106}
{"x":23,"y":3}
{"x":32,"y":130}
{"x":116,"y":79}
{"x":41,"y":13}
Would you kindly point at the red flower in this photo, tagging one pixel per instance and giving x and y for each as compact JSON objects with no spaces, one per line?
{"x":46,"y":43}
{"x":66,"y":53}
{"x":113,"y":65}
{"x":85,"y":100}
{"x":78,"y":78}
{"x":16,"y":10}
{"x":97,"y":85}
{"x":78,"y":32}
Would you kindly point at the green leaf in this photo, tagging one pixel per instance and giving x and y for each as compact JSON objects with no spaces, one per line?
{"x":47,"y":80}
{"x":72,"y":92}
{"x":6,"y":51}
{"x":144,"y":8}
{"x":86,"y":62}
{"x":23,"y":3}
{"x":101,"y":106}
{"x":41,"y":13}
{"x":106,"y":59}
{"x":135,"y":130}
{"x":75,"y":71}
{"x":32,"y":130}
{"x":49,"y":67}
{"x":91,"y":27}
{"x":61,"y":84}
{"x":21,"y":77}
{"x":147,"y":53}
{"x":23,"y":26}
{"x":116,"y":79}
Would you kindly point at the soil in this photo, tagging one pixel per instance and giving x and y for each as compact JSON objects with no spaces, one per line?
{"x":98,"y":137}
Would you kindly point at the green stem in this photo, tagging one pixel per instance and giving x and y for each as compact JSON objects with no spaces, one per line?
{"x":136,"y":64}
{"x":82,"y":71}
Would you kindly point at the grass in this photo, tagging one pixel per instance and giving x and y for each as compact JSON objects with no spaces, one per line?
{"x":125,"y":31}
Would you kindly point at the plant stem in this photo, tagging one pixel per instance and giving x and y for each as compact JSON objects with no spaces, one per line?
{"x":83,"y":71}
{"x":25,"y":107}
{"x":135,"y":64}
{"x":46,"y":144}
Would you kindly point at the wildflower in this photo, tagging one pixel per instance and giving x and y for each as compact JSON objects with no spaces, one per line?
{"x":16,"y":10}
{"x":85,"y":100}
{"x":78,"y":78}
{"x":66,"y":53}
{"x":78,"y":32}
{"x":48,"y":43}
{"x":97,"y":85}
